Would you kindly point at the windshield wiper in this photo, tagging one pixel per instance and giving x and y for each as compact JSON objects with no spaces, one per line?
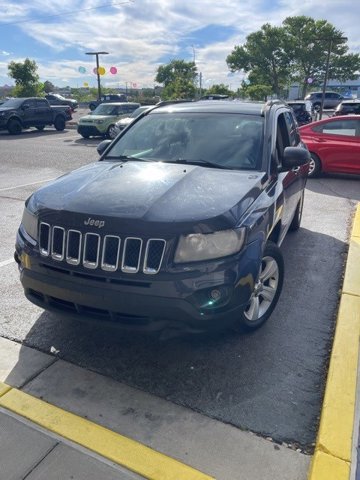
{"x":125,"y":158}
{"x":198,"y":161}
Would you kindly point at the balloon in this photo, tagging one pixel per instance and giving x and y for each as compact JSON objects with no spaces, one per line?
{"x":82,"y":69}
{"x":102,"y":71}
{"x":86,"y":84}
{"x":113,"y":70}
{"x":95,"y":71}
{"x":310,"y":80}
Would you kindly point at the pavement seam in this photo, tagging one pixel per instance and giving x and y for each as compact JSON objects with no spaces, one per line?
{"x":115,"y":447}
{"x":333,"y":451}
{"x":39,"y":372}
{"x":34,"y":467}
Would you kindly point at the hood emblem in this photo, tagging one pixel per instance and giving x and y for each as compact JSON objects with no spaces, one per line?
{"x":94,"y":223}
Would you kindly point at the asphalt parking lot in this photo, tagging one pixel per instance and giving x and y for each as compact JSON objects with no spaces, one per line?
{"x":270,"y":382}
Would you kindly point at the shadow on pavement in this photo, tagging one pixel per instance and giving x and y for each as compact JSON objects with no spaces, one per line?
{"x":270,"y":382}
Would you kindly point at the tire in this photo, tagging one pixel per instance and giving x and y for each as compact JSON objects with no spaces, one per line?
{"x":84,"y":135}
{"x":92,"y":106}
{"x":317,"y":107}
{"x":59,"y":123}
{"x":314,"y":166}
{"x":14,"y":127}
{"x":112,"y":132}
{"x":296,"y":221}
{"x":270,"y":281}
{"x":40,"y":127}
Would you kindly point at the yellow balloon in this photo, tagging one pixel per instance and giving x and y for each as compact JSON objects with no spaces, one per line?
{"x":101,"y":70}
{"x":86,"y":84}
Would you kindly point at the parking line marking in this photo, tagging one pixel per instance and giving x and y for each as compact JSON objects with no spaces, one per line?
{"x":124,"y":451}
{"x":26,"y":184}
{"x":6,"y":262}
{"x":333,"y":450}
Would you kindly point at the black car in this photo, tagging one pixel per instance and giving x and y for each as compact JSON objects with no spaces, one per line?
{"x":302,"y":115}
{"x":109,"y":98}
{"x":56,"y":99}
{"x":348,"y":107}
{"x":178,"y":225}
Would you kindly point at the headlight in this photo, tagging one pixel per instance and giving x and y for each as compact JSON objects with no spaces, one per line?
{"x":197,"y":246}
{"x":30,"y":223}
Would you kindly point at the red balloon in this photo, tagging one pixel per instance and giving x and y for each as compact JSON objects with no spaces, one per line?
{"x":113,"y":70}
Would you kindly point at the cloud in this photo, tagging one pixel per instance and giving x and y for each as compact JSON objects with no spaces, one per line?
{"x":141,"y":35}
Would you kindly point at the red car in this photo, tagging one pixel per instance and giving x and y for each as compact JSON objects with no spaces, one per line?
{"x":334,"y":145}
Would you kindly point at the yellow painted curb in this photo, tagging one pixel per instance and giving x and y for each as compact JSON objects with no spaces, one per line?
{"x":4,"y":389}
{"x":326,"y":467}
{"x":332,"y":458}
{"x":117,"y":448}
{"x":337,"y":417}
{"x":352,"y":272}
{"x":356,"y":224}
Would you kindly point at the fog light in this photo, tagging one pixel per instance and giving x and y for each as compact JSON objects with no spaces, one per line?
{"x":215,"y":294}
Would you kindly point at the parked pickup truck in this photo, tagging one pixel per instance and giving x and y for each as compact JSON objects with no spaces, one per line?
{"x":19,"y":113}
{"x":179,"y":225}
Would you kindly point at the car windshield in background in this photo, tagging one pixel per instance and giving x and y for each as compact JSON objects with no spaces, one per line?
{"x":231,"y":141}
{"x":138,"y":111}
{"x":298,"y":107}
{"x":12,"y":103}
{"x":106,"y":109}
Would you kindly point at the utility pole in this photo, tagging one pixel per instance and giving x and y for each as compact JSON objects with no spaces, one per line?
{"x":331,"y":41}
{"x":97,"y":69}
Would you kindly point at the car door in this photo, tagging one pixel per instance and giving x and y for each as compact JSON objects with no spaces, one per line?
{"x":28,"y":112}
{"x":293,"y":180}
{"x":339,"y":145}
{"x":44,"y":113}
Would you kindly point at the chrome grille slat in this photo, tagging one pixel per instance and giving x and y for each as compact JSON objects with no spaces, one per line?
{"x":96,"y":251}
{"x":91,"y":250}
{"x":110,"y":253}
{"x":131,"y":255}
{"x":154,"y":254}
{"x":73,"y":247}
{"x":58,"y":243}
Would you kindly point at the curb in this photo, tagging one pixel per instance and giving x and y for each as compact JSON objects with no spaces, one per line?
{"x":333,"y":450}
{"x":131,"y":454}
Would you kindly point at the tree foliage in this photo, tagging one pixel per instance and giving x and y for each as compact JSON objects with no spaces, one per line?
{"x":26,"y":78}
{"x":178,"y":78}
{"x":296,"y":51}
{"x":220,"y":89}
{"x":48,"y":86}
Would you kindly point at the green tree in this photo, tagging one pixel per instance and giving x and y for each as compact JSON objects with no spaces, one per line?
{"x":264,"y":57}
{"x":48,"y":86}
{"x":26,"y":78}
{"x":220,"y":89}
{"x":254,"y":92}
{"x":178,"y":78}
{"x":308,"y":42}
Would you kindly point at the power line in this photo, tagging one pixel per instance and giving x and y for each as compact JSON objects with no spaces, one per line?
{"x":73,"y":12}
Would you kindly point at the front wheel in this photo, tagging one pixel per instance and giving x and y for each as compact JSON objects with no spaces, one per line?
{"x":266,"y":291}
{"x":314,"y":166}
{"x":59,"y":123}
{"x":14,"y":127}
{"x":112,"y":132}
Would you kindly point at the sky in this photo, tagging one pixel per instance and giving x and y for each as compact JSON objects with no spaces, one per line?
{"x":140,"y":35}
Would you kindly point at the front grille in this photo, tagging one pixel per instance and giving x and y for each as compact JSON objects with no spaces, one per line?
{"x":109,"y":252}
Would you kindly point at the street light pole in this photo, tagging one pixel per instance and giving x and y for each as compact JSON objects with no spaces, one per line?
{"x":331,"y":41}
{"x":97,"y":69}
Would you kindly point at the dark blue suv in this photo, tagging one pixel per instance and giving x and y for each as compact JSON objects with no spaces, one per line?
{"x":178,"y":225}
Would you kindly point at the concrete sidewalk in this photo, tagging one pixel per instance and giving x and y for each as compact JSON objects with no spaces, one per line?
{"x":114,"y":423}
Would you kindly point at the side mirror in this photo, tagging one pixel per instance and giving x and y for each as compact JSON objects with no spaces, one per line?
{"x":294,"y":157}
{"x":103,"y":146}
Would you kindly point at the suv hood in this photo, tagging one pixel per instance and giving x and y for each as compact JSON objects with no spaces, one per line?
{"x":173,"y":198}
{"x":91,"y":118}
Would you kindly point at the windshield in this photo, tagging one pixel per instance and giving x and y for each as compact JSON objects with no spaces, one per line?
{"x":297,"y":107}
{"x":227,"y":140}
{"x":107,"y":109}
{"x":13,"y":103}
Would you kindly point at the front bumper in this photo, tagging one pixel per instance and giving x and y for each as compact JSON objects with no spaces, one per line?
{"x":89,"y":130}
{"x":182,"y":300}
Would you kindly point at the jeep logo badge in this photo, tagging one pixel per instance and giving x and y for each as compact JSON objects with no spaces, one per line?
{"x":95,"y":223}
